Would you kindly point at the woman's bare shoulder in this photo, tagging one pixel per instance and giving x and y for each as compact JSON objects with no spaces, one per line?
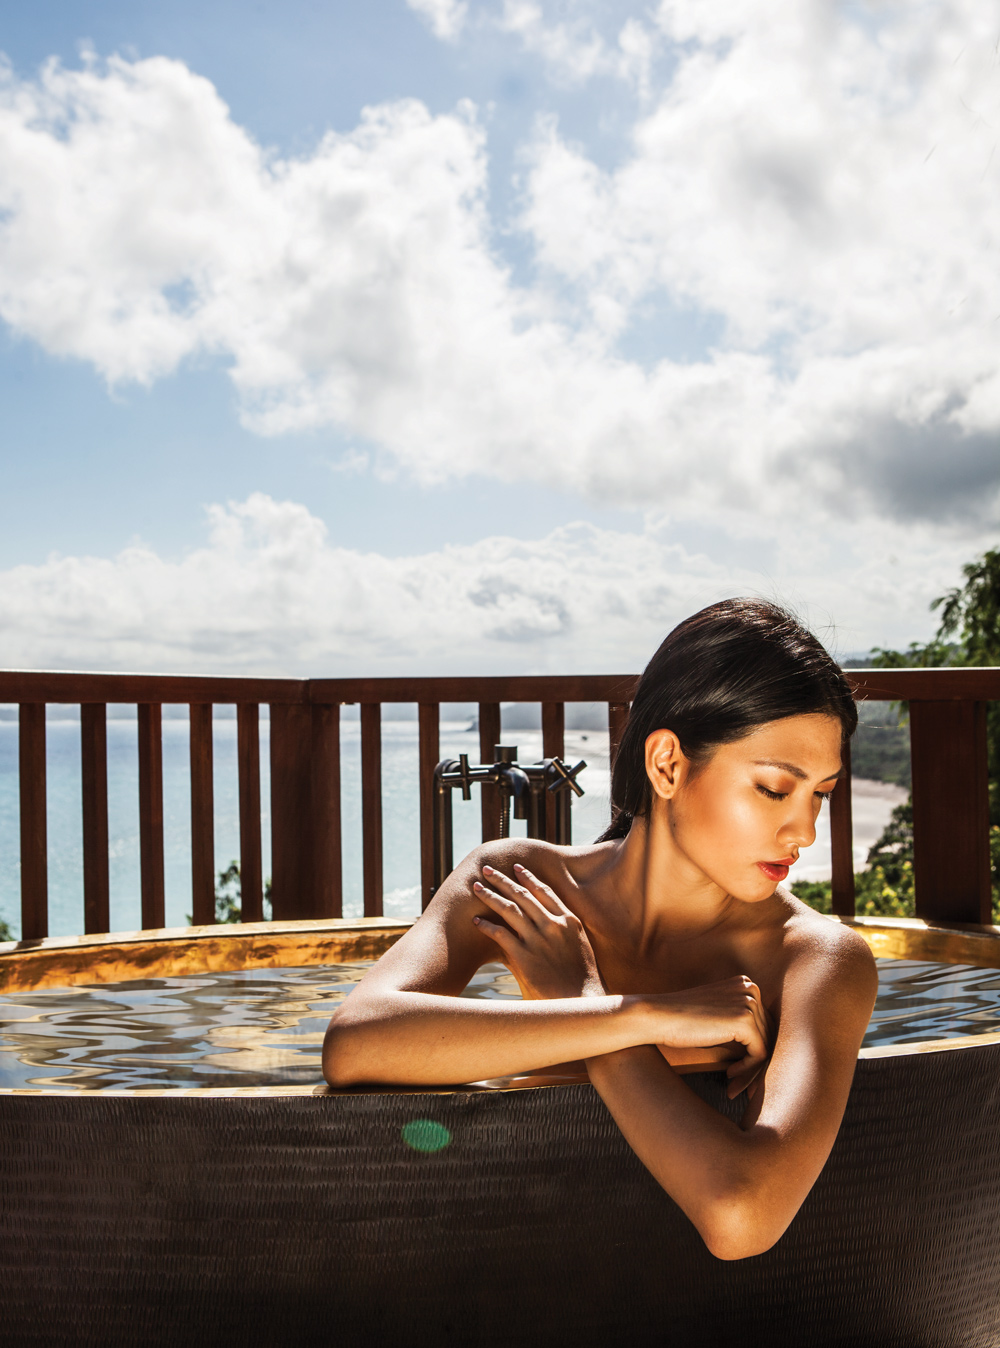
{"x":824,"y":943}
{"x":551,"y":863}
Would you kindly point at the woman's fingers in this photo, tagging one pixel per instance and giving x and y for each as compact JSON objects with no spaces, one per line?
{"x":543,"y":893}
{"x":744,"y":1079}
{"x":761,"y":1018}
{"x":752,"y":1023}
{"x":518,"y":894}
{"x":507,"y":940}
{"x":503,"y":907}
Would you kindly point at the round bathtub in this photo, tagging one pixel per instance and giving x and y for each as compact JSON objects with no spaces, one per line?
{"x":476,"y":1217}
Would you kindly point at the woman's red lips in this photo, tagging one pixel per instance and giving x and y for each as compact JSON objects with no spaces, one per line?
{"x":776,"y":870}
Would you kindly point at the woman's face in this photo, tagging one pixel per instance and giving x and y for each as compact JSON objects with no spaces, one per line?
{"x":743,"y":816}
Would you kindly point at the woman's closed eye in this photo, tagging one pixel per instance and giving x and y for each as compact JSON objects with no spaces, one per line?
{"x":781,"y":795}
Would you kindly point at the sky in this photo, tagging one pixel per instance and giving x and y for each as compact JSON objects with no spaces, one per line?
{"x":439,"y":336}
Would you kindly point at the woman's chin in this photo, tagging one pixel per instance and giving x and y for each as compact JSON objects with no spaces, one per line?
{"x":756,"y":889}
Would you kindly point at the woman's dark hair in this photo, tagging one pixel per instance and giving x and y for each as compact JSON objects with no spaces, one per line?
{"x":716,"y":677}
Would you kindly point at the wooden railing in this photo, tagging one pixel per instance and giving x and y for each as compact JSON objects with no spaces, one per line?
{"x":948,"y":739}
{"x":306,"y":865}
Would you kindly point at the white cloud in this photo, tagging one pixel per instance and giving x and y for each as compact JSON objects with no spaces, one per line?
{"x":269,"y":593}
{"x":825,"y":186}
{"x":575,"y":50}
{"x":445,"y":18}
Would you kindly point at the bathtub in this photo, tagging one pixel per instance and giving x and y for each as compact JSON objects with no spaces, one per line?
{"x":304,"y":1216}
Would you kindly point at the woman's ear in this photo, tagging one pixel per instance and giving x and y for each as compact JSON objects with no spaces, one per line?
{"x":666,"y":763}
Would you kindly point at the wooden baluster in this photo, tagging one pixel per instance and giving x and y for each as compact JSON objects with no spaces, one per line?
{"x":202,"y":815}
{"x":842,"y":841}
{"x":151,"y":813}
{"x":94,"y":782}
{"x":553,"y":746}
{"x":489,"y":738}
{"x":429,"y":716}
{"x":291,"y":811}
{"x":951,"y":841}
{"x":248,"y":760}
{"x":328,"y":897}
{"x":305,"y":811}
{"x":34,"y":839}
{"x":371,"y":805}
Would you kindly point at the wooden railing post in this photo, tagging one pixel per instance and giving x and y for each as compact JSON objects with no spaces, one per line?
{"x":305,"y":811}
{"x":248,"y":762}
{"x":553,"y":746}
{"x":34,"y":837}
{"x":202,"y":815}
{"x":951,"y":844}
{"x":489,"y":738}
{"x":291,"y":812}
{"x":94,"y":783}
{"x":328,"y":896}
{"x":842,"y":840}
{"x":151,"y":814}
{"x":429,"y":716}
{"x":371,"y":806}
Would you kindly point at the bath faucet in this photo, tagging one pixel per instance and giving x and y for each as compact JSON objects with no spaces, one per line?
{"x":522,"y":789}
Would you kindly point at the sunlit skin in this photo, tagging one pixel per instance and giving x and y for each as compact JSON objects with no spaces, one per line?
{"x":673,"y":948}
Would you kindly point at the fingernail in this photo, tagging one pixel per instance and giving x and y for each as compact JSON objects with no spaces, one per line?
{"x":476,"y":921}
{"x":488,"y":870}
{"x":518,"y":866}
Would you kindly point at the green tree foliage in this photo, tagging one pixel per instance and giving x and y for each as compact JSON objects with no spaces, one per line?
{"x":968,"y":634}
{"x":880,"y":749}
{"x":885,"y":888}
{"x":229,"y":896}
{"x":5,"y":932}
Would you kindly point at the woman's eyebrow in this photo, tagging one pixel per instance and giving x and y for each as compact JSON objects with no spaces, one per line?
{"x":791,"y":767}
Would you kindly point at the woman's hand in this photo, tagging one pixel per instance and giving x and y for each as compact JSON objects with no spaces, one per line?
{"x":728,"y":1012}
{"x":544,"y":943}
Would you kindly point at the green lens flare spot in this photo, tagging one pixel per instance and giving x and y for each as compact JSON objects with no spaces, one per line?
{"x":426,"y":1135}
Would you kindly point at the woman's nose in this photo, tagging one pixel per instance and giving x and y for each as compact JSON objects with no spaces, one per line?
{"x":799,"y":830}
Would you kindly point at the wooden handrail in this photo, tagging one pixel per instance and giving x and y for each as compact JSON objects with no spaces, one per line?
{"x":477,"y":688}
{"x":947,"y":714}
{"x":18,"y":685}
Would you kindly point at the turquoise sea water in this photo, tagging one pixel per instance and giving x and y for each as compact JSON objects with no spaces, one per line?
{"x":400,"y":812}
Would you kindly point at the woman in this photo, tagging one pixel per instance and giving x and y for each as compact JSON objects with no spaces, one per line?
{"x":668,"y":943}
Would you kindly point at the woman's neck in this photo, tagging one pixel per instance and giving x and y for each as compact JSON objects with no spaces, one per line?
{"x":657,"y":891}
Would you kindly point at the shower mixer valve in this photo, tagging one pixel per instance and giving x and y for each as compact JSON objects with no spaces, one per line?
{"x":523,"y":789}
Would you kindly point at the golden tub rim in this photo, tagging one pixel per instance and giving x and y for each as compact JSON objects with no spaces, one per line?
{"x":64,"y":961}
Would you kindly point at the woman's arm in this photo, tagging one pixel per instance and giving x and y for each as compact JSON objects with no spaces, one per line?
{"x":742,"y":1185}
{"x":406,"y":1024}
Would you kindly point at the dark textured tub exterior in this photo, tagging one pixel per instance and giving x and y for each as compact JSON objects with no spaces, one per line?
{"x":302,"y":1218}
{"x":306,"y":1220}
